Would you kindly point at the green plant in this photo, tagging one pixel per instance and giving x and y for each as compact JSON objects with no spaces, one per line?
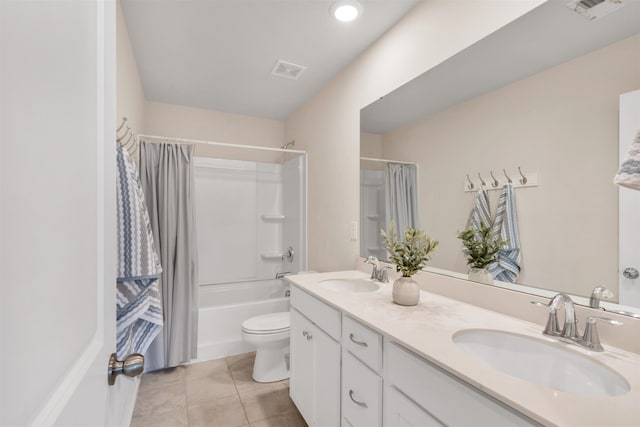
{"x":480,"y":246}
{"x":409,"y":255}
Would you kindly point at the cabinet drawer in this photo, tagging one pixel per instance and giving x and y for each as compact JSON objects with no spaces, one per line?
{"x":362,"y":342}
{"x":323,"y":315}
{"x":361,"y":394}
{"x":442,"y":395}
{"x":400,"y":411}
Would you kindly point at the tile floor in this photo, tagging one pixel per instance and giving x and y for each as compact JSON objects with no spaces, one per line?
{"x":218,"y":393}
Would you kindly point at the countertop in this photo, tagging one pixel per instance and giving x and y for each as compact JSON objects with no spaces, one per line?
{"x":427,"y":330}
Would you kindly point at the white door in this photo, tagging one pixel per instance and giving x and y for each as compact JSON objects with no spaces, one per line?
{"x":57,"y":212}
{"x":629,"y":205}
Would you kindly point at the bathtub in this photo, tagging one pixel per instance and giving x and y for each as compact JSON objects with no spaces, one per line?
{"x":223,"y":308}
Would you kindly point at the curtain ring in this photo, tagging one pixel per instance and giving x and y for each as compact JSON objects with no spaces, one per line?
{"x":523,"y":180}
{"x":470,"y":186}
{"x":481,"y":180}
{"x":495,"y":182}
{"x":507,"y":176}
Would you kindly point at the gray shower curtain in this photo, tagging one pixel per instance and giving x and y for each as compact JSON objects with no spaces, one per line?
{"x":166,"y":172}
{"x":402,"y":196}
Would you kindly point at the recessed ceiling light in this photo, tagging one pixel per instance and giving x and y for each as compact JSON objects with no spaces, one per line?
{"x":346,"y":10}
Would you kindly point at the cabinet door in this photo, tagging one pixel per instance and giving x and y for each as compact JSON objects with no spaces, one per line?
{"x":326,"y":371}
{"x":400,"y":411}
{"x":302,"y":369}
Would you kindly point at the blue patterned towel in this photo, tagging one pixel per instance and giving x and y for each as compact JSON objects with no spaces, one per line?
{"x":629,"y":173}
{"x":507,"y":266}
{"x":481,"y":212}
{"x":139,"y":310}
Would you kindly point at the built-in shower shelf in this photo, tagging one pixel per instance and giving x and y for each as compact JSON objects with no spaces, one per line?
{"x":272,"y":256}
{"x":272,"y":218}
{"x":373,"y":217}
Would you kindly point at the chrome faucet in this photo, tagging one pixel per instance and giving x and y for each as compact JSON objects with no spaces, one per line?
{"x":377,"y":273}
{"x":570,"y":329}
{"x":597,"y":294}
{"x":569,"y":332}
{"x":281,"y":275}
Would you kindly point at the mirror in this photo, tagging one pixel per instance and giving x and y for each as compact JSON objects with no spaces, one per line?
{"x":541,"y":94}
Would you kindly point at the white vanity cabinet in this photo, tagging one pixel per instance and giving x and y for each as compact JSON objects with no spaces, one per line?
{"x":361,"y":375}
{"x":315,"y":359}
{"x":432,"y":396}
{"x":344,"y":373}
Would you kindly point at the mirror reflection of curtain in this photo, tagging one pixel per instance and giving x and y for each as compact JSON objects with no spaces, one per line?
{"x":402,"y":196}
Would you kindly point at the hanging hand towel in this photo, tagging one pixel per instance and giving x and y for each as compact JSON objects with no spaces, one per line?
{"x":507,"y":266}
{"x":138,"y":307}
{"x":481,"y":213}
{"x":629,"y":173}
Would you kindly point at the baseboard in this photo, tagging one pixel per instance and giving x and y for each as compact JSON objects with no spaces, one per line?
{"x":222,"y":349}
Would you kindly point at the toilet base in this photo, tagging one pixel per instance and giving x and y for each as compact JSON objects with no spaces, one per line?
{"x":272,"y":364}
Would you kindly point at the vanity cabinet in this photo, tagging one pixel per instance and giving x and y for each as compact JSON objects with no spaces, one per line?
{"x":344,"y":373}
{"x":441,"y":397}
{"x":361,"y":375}
{"x":315,"y":360}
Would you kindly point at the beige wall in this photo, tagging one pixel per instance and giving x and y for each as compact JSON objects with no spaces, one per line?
{"x":328,"y":125}
{"x":129,"y":94}
{"x":562,"y":124}
{"x":370,"y":145}
{"x":194,"y":123}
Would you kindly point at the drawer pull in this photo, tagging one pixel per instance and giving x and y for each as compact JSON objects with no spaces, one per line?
{"x":304,"y":333}
{"x":309,"y":337}
{"x":360,"y":404}
{"x":353,"y":340}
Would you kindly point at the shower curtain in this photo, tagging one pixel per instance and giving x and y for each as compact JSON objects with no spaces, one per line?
{"x":402,"y":197}
{"x":166,"y":172}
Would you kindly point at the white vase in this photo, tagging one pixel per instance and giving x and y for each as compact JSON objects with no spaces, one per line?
{"x":480,"y":275}
{"x":406,"y":291}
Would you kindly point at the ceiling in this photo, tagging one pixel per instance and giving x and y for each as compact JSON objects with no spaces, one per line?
{"x":549,"y":35}
{"x":219,"y":54}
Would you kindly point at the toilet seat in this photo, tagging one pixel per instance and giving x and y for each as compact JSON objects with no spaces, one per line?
{"x":267,"y":324}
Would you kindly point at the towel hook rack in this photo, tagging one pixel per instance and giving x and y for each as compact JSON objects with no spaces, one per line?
{"x":124,"y":121}
{"x":507,"y":176}
{"x":470,"y":186}
{"x":523,"y":180}
{"x":495,"y":182}
{"x":126,"y":132}
{"x":481,"y":180}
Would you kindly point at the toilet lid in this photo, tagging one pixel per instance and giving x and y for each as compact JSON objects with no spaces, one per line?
{"x":267,"y":323}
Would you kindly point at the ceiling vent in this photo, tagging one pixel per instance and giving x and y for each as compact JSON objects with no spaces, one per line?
{"x":288,"y":70}
{"x":595,"y":9}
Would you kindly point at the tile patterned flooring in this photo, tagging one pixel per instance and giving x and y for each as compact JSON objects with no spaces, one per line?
{"x":218,"y":393}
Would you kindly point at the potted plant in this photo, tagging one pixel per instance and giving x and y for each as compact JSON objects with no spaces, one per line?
{"x":409,"y":256}
{"x":481,"y":249}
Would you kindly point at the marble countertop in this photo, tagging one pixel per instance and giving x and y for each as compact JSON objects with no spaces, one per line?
{"x":427,"y":330}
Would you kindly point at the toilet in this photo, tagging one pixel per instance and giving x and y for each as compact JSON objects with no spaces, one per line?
{"x":269,"y":333}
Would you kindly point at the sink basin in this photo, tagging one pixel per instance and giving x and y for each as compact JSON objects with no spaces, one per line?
{"x":539,"y":362}
{"x":349,"y":285}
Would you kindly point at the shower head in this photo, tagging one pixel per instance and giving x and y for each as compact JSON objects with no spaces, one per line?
{"x":289,"y":144}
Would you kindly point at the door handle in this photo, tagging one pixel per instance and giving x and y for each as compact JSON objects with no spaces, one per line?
{"x":131,"y":366}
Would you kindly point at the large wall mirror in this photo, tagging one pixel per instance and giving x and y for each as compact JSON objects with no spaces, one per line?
{"x":541,"y":94}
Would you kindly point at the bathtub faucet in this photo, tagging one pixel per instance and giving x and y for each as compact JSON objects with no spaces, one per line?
{"x":281,"y":275}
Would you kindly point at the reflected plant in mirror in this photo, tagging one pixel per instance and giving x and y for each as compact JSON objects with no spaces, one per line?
{"x":481,"y":248}
{"x":544,"y":93}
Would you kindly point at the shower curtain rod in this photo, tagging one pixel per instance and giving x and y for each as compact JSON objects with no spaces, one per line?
{"x":219,"y":144}
{"x":372,"y":159}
